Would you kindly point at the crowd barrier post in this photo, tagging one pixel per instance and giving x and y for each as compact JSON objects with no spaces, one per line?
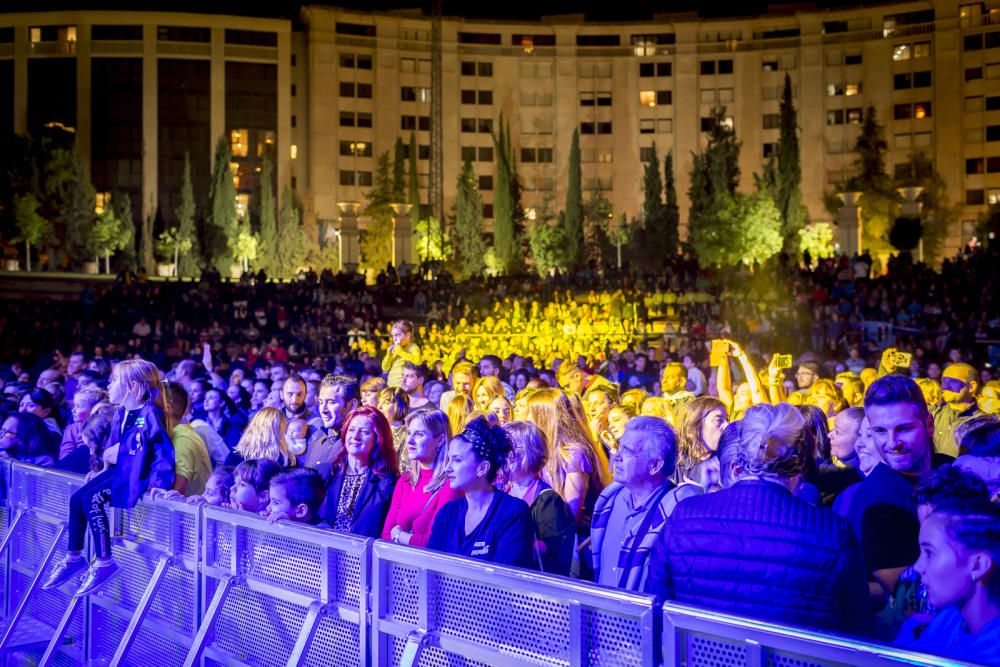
{"x":696,"y":637}
{"x":430,"y":608}
{"x":5,"y":533}
{"x":281,"y":593}
{"x":149,"y":613}
{"x":39,"y":499}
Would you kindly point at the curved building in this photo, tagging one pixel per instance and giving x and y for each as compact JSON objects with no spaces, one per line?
{"x":327,"y":93}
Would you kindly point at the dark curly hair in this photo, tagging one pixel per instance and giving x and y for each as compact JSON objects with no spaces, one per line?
{"x":950,"y":487}
{"x":489,"y":443}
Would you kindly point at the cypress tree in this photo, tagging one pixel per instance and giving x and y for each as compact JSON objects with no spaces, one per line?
{"x":188,"y":264}
{"x":376,"y":241}
{"x":504,"y":237}
{"x":222,"y":220}
{"x":414,"y":189}
{"x":291,"y":243}
{"x":574,"y":204}
{"x":788,"y":193}
{"x":121,"y":204}
{"x":398,"y":171}
{"x":268,"y":249}
{"x":671,"y":211}
{"x":467,"y":235}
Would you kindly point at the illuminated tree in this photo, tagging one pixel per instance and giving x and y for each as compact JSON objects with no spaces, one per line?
{"x":746,"y":230}
{"x":376,"y":241}
{"x":399,"y":171}
{"x":505,"y":242}
{"x":32,"y":228}
{"x":291,"y":246}
{"x":816,"y":240}
{"x":245,"y":245}
{"x":68,"y":201}
{"x":879,"y":201}
{"x":715,"y":173}
{"x":549,"y":246}
{"x":470,"y":248}
{"x":268,"y":223}
{"x":108,"y":234}
{"x":121,"y":204}
{"x":173,"y":245}
{"x":187,"y":264}
{"x":223,"y":222}
{"x":432,"y":245}
{"x":573,"y":219}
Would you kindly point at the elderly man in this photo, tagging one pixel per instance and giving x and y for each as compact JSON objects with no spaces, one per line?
{"x":631,"y":512}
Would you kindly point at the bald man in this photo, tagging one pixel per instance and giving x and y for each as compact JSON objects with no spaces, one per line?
{"x":959,"y":385}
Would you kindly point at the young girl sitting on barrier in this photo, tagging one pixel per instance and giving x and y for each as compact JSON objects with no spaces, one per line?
{"x":143,"y":455}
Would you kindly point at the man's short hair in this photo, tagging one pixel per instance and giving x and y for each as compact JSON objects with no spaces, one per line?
{"x":466,"y":367}
{"x":658,"y":441}
{"x":892,"y":389}
{"x":606,"y":387}
{"x":347,"y":385}
{"x":565,"y":368}
{"x":302,"y":486}
{"x":493,"y":359}
{"x":419,"y":369}
{"x":295,"y":377}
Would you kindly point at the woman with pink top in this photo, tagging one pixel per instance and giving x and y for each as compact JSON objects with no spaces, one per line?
{"x":425,"y":489}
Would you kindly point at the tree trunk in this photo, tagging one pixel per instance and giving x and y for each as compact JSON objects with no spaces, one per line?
{"x":177,"y":259}
{"x":27,"y":256}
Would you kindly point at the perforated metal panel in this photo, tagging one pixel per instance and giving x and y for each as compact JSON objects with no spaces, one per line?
{"x":402,"y":593}
{"x":289,"y":563}
{"x":434,"y":657}
{"x":788,"y":660}
{"x":702,"y":651}
{"x":611,"y":639}
{"x":256,"y":628}
{"x":335,"y":644}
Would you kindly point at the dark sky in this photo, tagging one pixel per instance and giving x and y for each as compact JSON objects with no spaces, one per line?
{"x":606,"y":10}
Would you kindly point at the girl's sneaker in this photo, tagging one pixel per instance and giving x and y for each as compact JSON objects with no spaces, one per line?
{"x":97,"y":576}
{"x":63,"y":571}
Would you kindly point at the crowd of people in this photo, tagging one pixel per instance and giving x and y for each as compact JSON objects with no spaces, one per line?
{"x":832,"y":484}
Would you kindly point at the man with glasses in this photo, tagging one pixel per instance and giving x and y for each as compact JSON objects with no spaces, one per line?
{"x":959,"y":385}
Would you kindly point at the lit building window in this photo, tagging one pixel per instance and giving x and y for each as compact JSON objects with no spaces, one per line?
{"x":647,"y":98}
{"x":239,"y":142}
{"x":36,"y":35}
{"x":852,"y":89}
{"x":102,"y":202}
{"x":901,"y":52}
{"x":234,"y":167}
{"x":293,"y":151}
{"x":242,"y":204}
{"x":531,"y":214}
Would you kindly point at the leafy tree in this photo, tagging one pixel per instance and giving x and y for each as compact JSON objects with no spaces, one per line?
{"x":187,"y":265}
{"x":121,"y":204}
{"x":816,"y":240}
{"x":549,"y":246}
{"x":574,"y":204}
{"x":988,"y":228}
{"x":715,"y":173}
{"x":747,"y":230}
{"x":68,"y":200}
{"x":470,"y":248}
{"x":32,"y":228}
{"x":399,"y":171}
{"x":671,"y":217}
{"x":505,"y":240}
{"x":268,"y":223}
{"x":431,"y":246}
{"x":223,"y":222}
{"x":172,"y":245}
{"x":414,"y":186}
{"x":108,"y":234}
{"x":245,"y":245}
{"x":938,"y":213}
{"x":879,"y":201}
{"x":291,"y":247}
{"x":376,"y":241}
{"x":597,"y":214}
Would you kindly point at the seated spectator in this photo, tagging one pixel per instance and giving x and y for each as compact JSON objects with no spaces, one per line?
{"x":741,"y":550}
{"x":363,"y":476}
{"x":394,"y":403}
{"x":39,"y":402}
{"x":959,"y":553}
{"x":502,"y":409}
{"x":555,"y":525}
{"x":459,"y":407}
{"x":632,"y":511}
{"x":83,"y":402}
{"x":27,"y":438}
{"x":979,"y":449}
{"x":485,"y":523}
{"x":89,"y":458}
{"x":338,"y":396}
{"x":192,"y":465}
{"x":217,"y":489}
{"x":222,"y":416}
{"x":296,"y":496}
{"x":425,"y":489}
{"x":370,"y":391}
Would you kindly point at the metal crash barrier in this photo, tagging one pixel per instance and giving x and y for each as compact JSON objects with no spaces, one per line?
{"x":281,"y":594}
{"x":210,"y":586}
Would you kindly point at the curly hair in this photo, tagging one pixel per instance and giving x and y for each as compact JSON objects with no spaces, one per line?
{"x":264,"y":438}
{"x":771,"y":441}
{"x":691,"y":447}
{"x":489,"y":443}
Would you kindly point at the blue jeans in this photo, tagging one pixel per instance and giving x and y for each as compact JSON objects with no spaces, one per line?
{"x":88,"y":507}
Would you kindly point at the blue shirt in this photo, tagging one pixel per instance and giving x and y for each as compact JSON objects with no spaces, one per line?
{"x":505,"y":535}
{"x":948,"y":635}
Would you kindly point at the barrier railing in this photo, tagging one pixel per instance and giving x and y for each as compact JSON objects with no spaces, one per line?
{"x":433,"y":609}
{"x":701,"y":638}
{"x":309,"y":586}
{"x":209,"y":586}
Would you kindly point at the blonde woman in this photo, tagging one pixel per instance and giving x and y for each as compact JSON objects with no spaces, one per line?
{"x":458,"y":408}
{"x":425,"y":489}
{"x":264,"y":439}
{"x":577,"y":468}
{"x":370,"y":389}
{"x":485,"y":390}
{"x":394,"y":403}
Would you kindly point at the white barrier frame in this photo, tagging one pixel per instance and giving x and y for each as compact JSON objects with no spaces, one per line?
{"x":580,"y":598}
{"x":237,"y":574}
{"x":761,"y":640}
{"x":757,"y":643}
